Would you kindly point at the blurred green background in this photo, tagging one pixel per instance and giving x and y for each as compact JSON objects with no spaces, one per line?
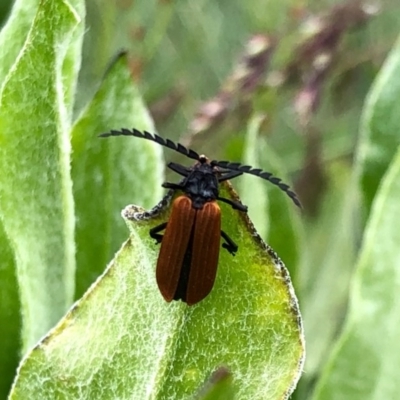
{"x":207,"y":69}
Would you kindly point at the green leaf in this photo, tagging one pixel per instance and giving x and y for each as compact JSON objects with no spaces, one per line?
{"x":276,"y":217}
{"x":324,"y":277}
{"x":366,"y":360}
{"x":253,"y":191}
{"x":98,"y":48}
{"x":122,"y":340}
{"x":71,"y":60}
{"x":285,"y":218}
{"x":218,"y":386}
{"x":14,"y":32}
{"x":114,"y":171}
{"x":9,"y":316}
{"x":36,"y":203}
{"x":380,"y":126}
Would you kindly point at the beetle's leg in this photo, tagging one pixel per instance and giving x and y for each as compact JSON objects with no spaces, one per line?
{"x":174,"y":186}
{"x":179,"y":169}
{"x":229,"y":244}
{"x":235,"y":204}
{"x":154,"y":232}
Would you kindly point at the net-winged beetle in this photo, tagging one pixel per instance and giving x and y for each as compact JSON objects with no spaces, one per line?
{"x":188,"y":259}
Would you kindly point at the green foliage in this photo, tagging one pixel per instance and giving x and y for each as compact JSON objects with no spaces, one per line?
{"x":35,"y":190}
{"x":9,"y":315}
{"x":62,"y":190}
{"x":380,"y":126}
{"x":123,"y":324}
{"x":61,"y":193}
{"x":367,"y":351}
{"x":105,"y":169}
{"x":218,"y":386}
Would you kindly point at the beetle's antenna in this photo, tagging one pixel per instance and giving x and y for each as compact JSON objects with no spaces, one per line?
{"x":195,"y":156}
{"x":261,"y":174}
{"x":155,"y":138}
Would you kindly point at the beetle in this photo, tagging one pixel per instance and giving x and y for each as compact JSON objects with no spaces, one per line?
{"x":188,"y":258}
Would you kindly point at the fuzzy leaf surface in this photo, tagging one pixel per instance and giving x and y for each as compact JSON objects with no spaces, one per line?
{"x":122,"y":340}
{"x":36,"y":203}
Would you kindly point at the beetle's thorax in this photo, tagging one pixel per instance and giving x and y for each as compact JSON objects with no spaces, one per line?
{"x":201,"y":185}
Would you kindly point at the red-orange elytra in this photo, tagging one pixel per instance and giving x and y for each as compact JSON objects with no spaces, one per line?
{"x":188,"y":259}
